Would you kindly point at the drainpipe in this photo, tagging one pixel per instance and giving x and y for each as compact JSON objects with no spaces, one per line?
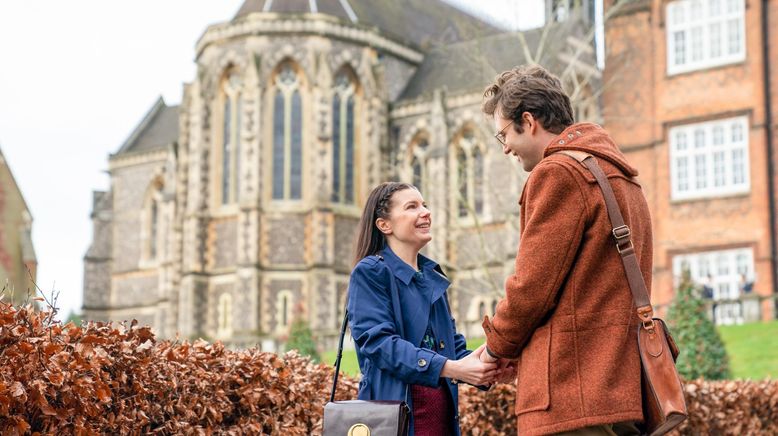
{"x":770,"y":152}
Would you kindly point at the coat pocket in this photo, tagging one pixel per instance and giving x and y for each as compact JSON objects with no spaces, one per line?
{"x":533,"y":390}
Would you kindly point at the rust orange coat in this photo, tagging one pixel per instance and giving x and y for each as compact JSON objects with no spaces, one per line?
{"x":568,"y":314}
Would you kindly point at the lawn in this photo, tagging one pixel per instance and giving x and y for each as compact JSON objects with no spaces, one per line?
{"x":752,"y":350}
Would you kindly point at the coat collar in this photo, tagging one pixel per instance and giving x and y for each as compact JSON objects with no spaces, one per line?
{"x":402,"y":270}
{"x":405,"y":273}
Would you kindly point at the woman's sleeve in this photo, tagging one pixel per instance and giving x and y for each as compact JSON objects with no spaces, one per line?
{"x":374,"y":329}
{"x":460,"y":343}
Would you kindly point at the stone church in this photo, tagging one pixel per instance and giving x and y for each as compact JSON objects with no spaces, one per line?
{"x":232,"y":214}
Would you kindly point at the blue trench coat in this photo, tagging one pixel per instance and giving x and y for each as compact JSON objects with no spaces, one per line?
{"x":387,"y":342}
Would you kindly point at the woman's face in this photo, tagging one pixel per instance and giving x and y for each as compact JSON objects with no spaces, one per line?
{"x":409,"y":220}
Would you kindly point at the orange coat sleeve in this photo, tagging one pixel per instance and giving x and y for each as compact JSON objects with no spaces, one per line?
{"x":554,"y":220}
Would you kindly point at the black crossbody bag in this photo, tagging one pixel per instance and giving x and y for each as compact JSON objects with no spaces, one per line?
{"x":360,"y":417}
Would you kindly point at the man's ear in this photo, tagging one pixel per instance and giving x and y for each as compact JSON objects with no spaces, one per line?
{"x":383,"y":226}
{"x":532,"y":123}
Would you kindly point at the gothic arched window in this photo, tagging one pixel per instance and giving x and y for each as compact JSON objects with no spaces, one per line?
{"x":478,"y":180}
{"x":284,"y":310}
{"x":416,"y":168}
{"x":417,"y":160}
{"x":230,"y":146}
{"x":470,"y":167}
{"x":153,"y":228}
{"x":287,"y":135}
{"x":224,"y":312}
{"x":343,"y":138}
{"x":462,"y":195}
{"x":151,"y":220}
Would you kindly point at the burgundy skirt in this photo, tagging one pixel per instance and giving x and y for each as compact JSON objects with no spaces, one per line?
{"x":432,"y":411}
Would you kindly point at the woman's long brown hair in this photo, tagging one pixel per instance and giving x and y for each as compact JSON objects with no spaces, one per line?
{"x":370,"y":240}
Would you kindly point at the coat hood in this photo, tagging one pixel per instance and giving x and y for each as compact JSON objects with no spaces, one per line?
{"x":592,"y":139}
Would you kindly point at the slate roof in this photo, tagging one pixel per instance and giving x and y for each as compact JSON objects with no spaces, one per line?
{"x":419,"y":23}
{"x":471,"y":65}
{"x":157,"y":130}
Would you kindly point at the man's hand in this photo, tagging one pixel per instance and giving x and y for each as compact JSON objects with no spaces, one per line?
{"x":506,"y":371}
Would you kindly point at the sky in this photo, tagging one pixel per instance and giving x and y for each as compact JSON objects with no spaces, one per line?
{"x":77,"y":76}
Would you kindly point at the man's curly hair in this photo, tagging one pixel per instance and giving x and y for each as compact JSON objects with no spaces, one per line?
{"x":529,"y":89}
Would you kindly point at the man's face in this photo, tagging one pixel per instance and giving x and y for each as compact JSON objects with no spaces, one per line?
{"x":525,"y":146}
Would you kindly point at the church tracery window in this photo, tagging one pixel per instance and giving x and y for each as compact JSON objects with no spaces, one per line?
{"x":343,"y":138}
{"x":232,"y":103}
{"x":418,"y":161}
{"x":151,"y":223}
{"x":224,"y":315}
{"x":469,"y":175}
{"x":287,"y":135}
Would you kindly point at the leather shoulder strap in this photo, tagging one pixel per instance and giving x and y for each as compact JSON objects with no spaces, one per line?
{"x":575,"y":154}
{"x":621,"y":234}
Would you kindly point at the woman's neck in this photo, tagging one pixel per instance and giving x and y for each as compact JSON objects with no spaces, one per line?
{"x":405,"y":252}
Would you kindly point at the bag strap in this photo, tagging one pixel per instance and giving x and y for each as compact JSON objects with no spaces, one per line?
{"x":623,"y":236}
{"x":339,"y":356}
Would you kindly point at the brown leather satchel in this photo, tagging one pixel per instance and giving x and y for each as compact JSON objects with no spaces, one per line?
{"x":664,"y":406}
{"x":363,"y":418}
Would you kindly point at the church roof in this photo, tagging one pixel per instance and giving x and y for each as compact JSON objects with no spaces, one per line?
{"x":471,"y":65}
{"x":157,"y":130}
{"x":421,"y":23}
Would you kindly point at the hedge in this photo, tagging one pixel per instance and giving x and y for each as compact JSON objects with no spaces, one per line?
{"x":118,"y":378}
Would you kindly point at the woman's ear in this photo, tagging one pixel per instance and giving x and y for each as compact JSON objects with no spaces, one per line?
{"x":383,"y":226}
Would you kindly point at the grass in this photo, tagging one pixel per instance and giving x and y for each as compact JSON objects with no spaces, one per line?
{"x":752,"y":350}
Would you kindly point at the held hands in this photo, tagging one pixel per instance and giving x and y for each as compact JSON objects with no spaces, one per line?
{"x":473,"y":369}
{"x":506,"y":369}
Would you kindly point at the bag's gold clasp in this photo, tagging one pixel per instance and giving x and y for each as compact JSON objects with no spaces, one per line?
{"x":359,"y":429}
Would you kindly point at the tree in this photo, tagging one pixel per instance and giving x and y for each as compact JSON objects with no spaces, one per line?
{"x":301,"y":339}
{"x":702,"y":353}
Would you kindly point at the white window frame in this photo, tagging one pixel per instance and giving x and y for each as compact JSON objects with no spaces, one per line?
{"x":720,"y":140}
{"x":725,"y":268}
{"x":695,"y":27}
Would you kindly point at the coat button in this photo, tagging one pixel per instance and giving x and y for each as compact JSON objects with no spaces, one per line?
{"x":442,"y":345}
{"x":422,"y":362}
{"x":456,"y":417}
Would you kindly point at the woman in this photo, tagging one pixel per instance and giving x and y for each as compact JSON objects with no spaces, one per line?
{"x":406,"y":341}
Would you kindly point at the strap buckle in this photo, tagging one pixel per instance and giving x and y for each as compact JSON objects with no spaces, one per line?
{"x":621,"y":232}
{"x":629,"y":247}
{"x":646,"y":315}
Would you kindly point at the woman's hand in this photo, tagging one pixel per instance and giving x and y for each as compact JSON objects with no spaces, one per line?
{"x":470,"y":369}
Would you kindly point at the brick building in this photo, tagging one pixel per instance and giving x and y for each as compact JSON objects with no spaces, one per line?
{"x":691,"y":96}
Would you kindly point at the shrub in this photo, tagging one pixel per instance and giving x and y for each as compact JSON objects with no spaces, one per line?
{"x":301,"y":339}
{"x":702,"y":352}
{"x":118,"y":379}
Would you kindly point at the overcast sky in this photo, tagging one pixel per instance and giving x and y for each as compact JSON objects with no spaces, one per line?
{"x":77,"y":76}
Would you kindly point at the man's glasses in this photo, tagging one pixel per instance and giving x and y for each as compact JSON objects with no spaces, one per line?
{"x":501,"y":134}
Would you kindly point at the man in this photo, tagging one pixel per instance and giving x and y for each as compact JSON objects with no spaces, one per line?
{"x":568,"y":316}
